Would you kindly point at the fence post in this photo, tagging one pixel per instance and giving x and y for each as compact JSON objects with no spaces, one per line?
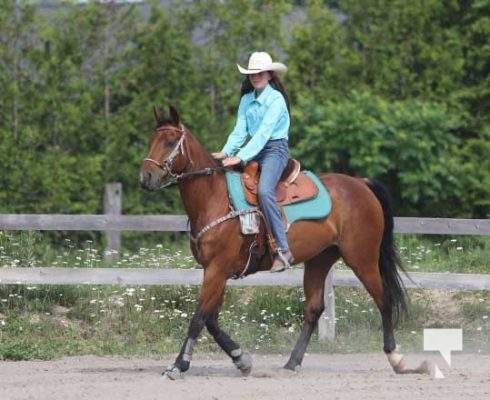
{"x":326,"y":323}
{"x":112,"y":206}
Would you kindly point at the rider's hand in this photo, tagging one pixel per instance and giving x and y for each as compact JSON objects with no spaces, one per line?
{"x":229,"y":161}
{"x":219,"y":156}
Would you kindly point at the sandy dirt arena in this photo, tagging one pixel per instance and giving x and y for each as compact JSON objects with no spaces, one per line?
{"x":323,"y":376}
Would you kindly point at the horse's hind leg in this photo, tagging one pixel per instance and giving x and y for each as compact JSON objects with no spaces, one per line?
{"x":241,"y":360}
{"x":316,"y":271}
{"x":371,"y":279}
{"x":379,"y":275}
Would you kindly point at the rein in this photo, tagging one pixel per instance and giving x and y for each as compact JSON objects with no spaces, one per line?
{"x":184,"y":175}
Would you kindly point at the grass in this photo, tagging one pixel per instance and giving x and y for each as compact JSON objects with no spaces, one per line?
{"x":462,"y":254}
{"x":53,"y":321}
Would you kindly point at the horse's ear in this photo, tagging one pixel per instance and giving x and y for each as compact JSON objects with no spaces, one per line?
{"x":158,"y":114}
{"x":174,"y":116}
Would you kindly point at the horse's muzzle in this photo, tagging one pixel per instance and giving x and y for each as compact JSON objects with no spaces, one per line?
{"x":149,"y":180}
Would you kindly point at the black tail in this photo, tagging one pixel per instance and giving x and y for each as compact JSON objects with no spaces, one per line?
{"x":389,"y":261}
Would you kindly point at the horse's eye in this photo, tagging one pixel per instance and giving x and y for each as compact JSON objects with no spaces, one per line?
{"x":169,"y":144}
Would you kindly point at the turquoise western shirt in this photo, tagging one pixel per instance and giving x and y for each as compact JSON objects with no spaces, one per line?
{"x":261,"y":119}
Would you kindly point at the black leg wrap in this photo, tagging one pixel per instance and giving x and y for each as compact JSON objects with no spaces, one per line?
{"x":181,"y":364}
{"x":389,"y":343}
{"x":242,"y":361}
{"x":183,"y":361}
{"x":224,"y":341}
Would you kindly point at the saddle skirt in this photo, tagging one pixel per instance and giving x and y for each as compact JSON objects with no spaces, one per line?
{"x":294,"y":186}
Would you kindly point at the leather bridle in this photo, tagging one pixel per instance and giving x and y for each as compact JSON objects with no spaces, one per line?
{"x":166,"y":164}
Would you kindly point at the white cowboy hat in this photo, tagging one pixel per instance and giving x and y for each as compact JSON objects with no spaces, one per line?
{"x":261,"y":61}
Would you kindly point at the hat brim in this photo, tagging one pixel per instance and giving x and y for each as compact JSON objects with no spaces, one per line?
{"x":275,"y":66}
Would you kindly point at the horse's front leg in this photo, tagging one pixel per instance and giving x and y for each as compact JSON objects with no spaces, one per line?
{"x":183,"y":361}
{"x":211,"y":299}
{"x":242,"y":361}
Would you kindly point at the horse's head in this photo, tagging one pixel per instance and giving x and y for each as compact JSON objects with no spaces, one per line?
{"x":165,"y":151}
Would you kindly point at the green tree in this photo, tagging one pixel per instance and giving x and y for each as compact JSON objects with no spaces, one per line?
{"x":406,"y":49}
{"x":406,"y":144}
{"x":157,"y":69}
{"x":19,"y":39}
{"x":319,"y":62}
{"x":73,"y":110}
{"x":429,"y":51}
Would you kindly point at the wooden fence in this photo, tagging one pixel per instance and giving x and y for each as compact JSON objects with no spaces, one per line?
{"x":113,"y":223}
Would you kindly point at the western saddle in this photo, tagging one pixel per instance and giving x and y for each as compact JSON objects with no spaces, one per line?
{"x":293,"y":187}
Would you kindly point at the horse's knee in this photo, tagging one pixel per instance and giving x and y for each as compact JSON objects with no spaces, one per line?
{"x":212,"y":327}
{"x":196,"y":325}
{"x":313,"y":314}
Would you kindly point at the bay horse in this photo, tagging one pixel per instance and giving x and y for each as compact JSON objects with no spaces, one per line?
{"x":359,"y":230}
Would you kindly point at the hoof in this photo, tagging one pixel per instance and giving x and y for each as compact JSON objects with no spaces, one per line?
{"x":423,"y":368}
{"x":173,"y":373}
{"x":397,"y":361}
{"x":244,"y":364}
{"x":400,"y":367}
{"x":291,"y":367}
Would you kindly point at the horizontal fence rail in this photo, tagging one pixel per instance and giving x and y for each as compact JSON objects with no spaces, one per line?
{"x":100,"y":222}
{"x":442,"y":226}
{"x":176,"y":223}
{"x":193,"y":277}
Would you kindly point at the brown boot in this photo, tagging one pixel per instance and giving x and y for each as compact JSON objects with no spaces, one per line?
{"x":282,"y":261}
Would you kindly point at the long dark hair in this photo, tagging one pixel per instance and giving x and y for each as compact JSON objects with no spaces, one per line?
{"x":275,"y":82}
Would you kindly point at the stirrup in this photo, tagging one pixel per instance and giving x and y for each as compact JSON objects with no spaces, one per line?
{"x":282,"y":261}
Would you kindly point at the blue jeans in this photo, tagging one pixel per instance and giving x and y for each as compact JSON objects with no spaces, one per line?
{"x":272,"y":159}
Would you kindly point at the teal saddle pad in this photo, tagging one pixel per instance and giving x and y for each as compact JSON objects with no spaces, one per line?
{"x":314,"y":208}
